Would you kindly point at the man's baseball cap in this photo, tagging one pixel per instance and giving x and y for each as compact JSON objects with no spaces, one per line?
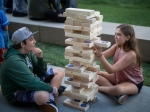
{"x":21,"y":34}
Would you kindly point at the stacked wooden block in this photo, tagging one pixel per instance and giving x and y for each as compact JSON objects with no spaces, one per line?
{"x":83,"y":26}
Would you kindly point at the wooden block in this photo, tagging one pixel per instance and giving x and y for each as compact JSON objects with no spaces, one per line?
{"x":95,"y":78}
{"x":74,"y":82}
{"x":87,"y":51}
{"x":67,"y":90}
{"x":89,"y":84}
{"x":77,"y":23}
{"x":79,"y":59}
{"x":88,"y":25}
{"x":81,"y":36}
{"x":76,"y":102}
{"x":78,"y":68}
{"x":85,"y":74}
{"x":78,"y":40}
{"x":91,"y":20}
{"x":86,"y":84}
{"x":94,"y":99}
{"x":99,"y":33}
{"x":73,"y":55}
{"x":99,"y":17}
{"x":94,"y":94}
{"x":68,"y":75}
{"x":102,"y":43}
{"x":80,"y":11}
{"x":68,"y":30}
{"x":81,"y":16}
{"x":71,"y":49}
{"x":76,"y":32}
{"x":82,"y":44}
{"x":99,"y":25}
{"x":67,"y":102}
{"x":76,"y":63}
{"x":68,"y":54}
{"x":92,"y":64}
{"x":86,"y":95}
{"x":96,"y":68}
{"x":77,"y":89}
{"x":91,"y":56}
{"x":73,"y":27}
{"x":79,"y":48}
{"x":79,"y":28}
{"x":83,"y":79}
{"x":69,"y":22}
{"x":97,"y":30}
{"x":86,"y":33}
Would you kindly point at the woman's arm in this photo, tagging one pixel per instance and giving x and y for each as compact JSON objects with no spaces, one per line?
{"x":128,"y":59}
{"x":110,"y":52}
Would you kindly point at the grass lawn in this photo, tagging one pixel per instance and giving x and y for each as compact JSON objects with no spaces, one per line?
{"x":119,"y":11}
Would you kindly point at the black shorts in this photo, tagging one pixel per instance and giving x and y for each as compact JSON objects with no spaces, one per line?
{"x":139,"y":86}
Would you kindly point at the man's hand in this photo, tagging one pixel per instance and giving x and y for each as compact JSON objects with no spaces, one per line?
{"x":37,"y":52}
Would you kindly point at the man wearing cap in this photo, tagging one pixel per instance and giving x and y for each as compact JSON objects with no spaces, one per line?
{"x":24,"y":80}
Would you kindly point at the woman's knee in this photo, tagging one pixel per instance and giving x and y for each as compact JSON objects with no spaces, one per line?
{"x":118,"y":90}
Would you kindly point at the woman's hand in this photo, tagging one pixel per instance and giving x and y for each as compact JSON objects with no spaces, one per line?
{"x":98,"y":50}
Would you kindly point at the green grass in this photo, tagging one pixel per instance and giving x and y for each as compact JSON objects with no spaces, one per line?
{"x":135,"y":12}
{"x":54,"y":54}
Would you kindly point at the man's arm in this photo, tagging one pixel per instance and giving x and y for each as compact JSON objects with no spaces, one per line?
{"x":21,"y":74}
{"x":39,"y":64}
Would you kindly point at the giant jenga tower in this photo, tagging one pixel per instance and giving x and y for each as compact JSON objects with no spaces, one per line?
{"x":82,"y":26}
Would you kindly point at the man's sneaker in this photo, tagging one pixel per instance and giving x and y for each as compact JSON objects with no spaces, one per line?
{"x":122,"y":99}
{"x":49,"y":107}
{"x":61,"y":89}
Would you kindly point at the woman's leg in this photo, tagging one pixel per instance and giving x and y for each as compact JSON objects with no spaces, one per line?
{"x":120,"y":89}
{"x":107,"y":85}
{"x":105,"y":79}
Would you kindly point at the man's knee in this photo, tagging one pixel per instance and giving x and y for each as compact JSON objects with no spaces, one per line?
{"x":59,"y":71}
{"x":41,"y":97}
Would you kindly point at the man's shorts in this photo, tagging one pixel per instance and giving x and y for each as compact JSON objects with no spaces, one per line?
{"x":25,"y":98}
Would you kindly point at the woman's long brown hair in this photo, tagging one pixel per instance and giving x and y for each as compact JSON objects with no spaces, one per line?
{"x":131,"y":44}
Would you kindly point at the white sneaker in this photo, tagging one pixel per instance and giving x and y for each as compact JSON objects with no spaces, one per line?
{"x":49,"y":107}
{"x":122,"y":99}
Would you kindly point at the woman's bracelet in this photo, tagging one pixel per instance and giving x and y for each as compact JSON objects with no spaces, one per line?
{"x":99,"y":56}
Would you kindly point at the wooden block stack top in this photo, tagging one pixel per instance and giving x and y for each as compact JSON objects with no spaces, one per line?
{"x":82,"y":27}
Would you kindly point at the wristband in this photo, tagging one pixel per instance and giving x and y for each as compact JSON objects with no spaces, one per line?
{"x":55,"y":90}
{"x":99,"y":56}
